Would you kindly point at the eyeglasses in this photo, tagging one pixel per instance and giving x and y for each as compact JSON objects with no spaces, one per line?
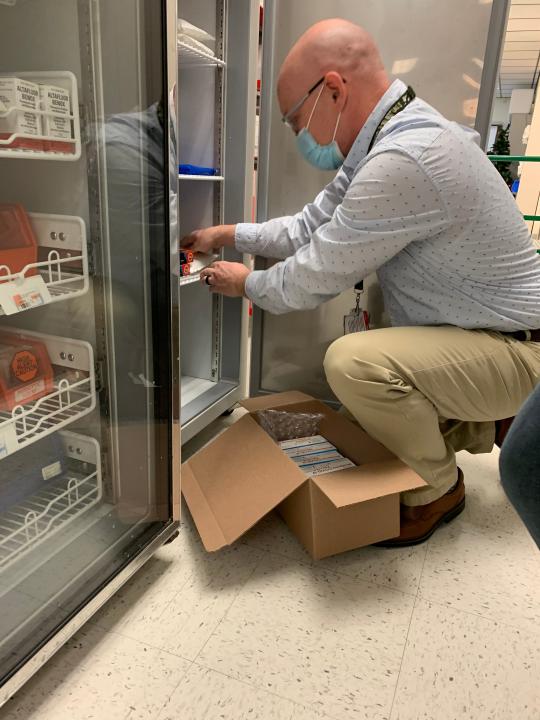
{"x":287,"y":118}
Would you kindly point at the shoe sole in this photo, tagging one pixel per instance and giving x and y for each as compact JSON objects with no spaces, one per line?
{"x":445,"y":519}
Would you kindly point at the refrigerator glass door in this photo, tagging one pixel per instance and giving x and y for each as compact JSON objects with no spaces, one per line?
{"x":86,"y":398}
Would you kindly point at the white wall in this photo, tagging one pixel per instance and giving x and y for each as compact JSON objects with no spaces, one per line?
{"x":528,"y":197}
{"x":499,"y":114}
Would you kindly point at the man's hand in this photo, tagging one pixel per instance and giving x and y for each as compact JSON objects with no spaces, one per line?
{"x":226,"y":278}
{"x":208,"y":240}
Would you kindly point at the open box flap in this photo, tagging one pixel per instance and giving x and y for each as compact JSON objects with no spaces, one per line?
{"x":265,"y":402}
{"x":367,"y":482}
{"x":236,"y":480}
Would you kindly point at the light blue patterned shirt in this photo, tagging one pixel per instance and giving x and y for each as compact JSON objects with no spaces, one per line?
{"x":427,"y":211}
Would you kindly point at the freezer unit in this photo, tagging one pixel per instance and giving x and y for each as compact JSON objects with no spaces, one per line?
{"x":89,"y":375}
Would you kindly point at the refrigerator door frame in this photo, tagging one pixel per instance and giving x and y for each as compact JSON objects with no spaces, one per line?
{"x":492,"y":55}
{"x":238,"y":120}
{"x":78,"y":618}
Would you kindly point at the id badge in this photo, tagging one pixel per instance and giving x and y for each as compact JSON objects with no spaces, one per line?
{"x":357,"y":320}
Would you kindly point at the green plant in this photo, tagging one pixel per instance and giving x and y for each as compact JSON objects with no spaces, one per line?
{"x":501,"y":146}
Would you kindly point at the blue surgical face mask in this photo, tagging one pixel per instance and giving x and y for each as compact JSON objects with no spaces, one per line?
{"x":324,"y":157}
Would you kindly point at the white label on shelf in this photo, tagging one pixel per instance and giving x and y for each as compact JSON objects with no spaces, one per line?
{"x":22,"y":295}
{"x":8,"y":440}
{"x":52,"y":470}
{"x":28,"y":391}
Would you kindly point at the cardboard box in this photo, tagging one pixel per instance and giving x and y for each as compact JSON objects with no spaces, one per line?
{"x":243,"y":474}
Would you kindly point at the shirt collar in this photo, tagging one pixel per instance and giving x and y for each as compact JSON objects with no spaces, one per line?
{"x":360,"y":146}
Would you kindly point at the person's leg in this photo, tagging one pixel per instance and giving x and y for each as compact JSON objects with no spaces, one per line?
{"x":401,"y":383}
{"x":520,"y":464}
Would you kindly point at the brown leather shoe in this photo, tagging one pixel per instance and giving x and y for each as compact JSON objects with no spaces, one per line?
{"x":501,"y":430}
{"x":419,"y":523}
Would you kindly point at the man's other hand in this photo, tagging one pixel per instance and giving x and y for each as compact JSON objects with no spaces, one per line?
{"x":226,"y":278}
{"x":209,"y":240}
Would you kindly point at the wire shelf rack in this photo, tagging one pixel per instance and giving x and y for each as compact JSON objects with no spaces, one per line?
{"x":62,"y":275}
{"x":74,"y":396}
{"x":195,"y":55}
{"x":58,"y":503}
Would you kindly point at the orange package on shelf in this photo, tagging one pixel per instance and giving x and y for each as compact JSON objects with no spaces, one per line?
{"x":26,"y":373}
{"x":18,"y":244}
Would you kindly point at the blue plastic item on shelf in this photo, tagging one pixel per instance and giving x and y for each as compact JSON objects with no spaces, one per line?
{"x":197,"y":170}
{"x":25,"y":473}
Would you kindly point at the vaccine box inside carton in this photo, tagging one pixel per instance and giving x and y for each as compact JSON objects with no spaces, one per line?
{"x":239,"y":477}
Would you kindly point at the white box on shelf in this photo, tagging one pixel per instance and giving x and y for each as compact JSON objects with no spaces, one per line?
{"x":62,"y":268}
{"x":53,"y":147}
{"x":19,"y":108}
{"x":18,"y":92}
{"x":56,"y":106}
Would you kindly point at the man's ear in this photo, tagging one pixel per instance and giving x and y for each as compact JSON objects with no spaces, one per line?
{"x":338,"y":88}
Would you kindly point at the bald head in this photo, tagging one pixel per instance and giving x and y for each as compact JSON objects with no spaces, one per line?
{"x":331,"y":45}
{"x":335,"y":47}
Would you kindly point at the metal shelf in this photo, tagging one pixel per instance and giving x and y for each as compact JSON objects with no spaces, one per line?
{"x":191,"y":388}
{"x":64,"y":239}
{"x":68,"y":81}
{"x":58,"y":503}
{"x":73,"y":397}
{"x":217,"y":178}
{"x":194,"y":55}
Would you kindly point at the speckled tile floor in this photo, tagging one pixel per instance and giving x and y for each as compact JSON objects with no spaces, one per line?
{"x":448,"y":630}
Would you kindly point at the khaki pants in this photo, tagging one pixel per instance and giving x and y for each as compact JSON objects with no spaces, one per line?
{"x":427,"y":392}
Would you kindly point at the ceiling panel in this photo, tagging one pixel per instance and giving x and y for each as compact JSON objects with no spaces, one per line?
{"x":523,"y":25}
{"x":521,"y":52}
{"x":524,"y":11}
{"x":509,"y":45}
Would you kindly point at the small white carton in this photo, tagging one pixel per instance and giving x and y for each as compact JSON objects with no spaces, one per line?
{"x":18,"y":93}
{"x":55,"y":102}
{"x":18,"y":99}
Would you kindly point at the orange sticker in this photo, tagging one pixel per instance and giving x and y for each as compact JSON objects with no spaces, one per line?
{"x":24,"y":366}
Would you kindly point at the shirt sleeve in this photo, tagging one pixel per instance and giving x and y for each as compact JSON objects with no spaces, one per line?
{"x":389,"y":204}
{"x":282,"y":237}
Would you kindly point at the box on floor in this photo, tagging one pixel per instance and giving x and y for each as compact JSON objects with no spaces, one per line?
{"x":243,"y":474}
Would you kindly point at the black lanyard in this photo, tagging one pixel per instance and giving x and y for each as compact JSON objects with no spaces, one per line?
{"x":400,"y":104}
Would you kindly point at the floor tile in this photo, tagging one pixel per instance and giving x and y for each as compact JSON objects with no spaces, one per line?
{"x":399,"y":569}
{"x":147,"y":594}
{"x":271,"y":534}
{"x":207,"y":695}
{"x":99,"y":675}
{"x":179,"y":610}
{"x":487,"y":507}
{"x":314,"y":637}
{"x":461,"y":667}
{"x":495,"y":575}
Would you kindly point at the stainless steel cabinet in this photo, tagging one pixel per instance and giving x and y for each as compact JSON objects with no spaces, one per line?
{"x":449,"y":53}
